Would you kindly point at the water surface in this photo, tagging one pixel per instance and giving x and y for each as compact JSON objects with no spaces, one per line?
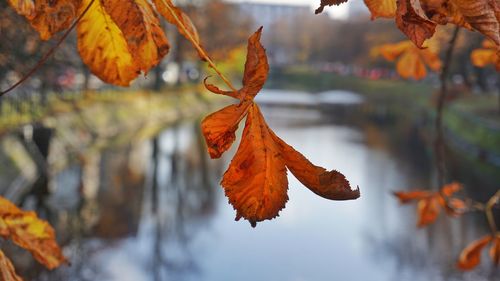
{"x":154,"y":210}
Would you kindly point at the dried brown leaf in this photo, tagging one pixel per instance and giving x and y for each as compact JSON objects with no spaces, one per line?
{"x":412,"y":20}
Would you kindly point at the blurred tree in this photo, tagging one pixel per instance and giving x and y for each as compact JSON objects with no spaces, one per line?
{"x":221,"y":26}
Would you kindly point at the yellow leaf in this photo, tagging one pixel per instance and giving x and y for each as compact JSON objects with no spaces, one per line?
{"x":103,"y":47}
{"x":431,"y":59}
{"x":392,"y":51}
{"x":31,"y":233}
{"x":411,"y":60}
{"x":7,"y":271}
{"x":381,"y":8}
{"x":141,"y":28}
{"x":485,"y":56}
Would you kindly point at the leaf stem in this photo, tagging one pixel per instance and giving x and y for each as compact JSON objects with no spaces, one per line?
{"x":198,"y":47}
{"x":495,"y":199}
{"x":443,"y":93}
{"x":49,"y":53}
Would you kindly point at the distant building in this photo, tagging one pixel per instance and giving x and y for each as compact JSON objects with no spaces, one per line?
{"x":268,"y":14}
{"x":275,"y":18}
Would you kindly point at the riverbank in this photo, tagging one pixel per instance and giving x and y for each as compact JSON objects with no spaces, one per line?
{"x":98,"y":106}
{"x":74,"y":129}
{"x":471,"y":123}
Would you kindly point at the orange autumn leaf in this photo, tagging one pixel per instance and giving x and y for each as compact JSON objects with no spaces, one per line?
{"x":255,"y":74}
{"x":455,"y":207}
{"x":411,"y":61}
{"x":47,"y":16}
{"x":381,"y":8}
{"x":486,"y":55}
{"x":452,"y":206}
{"x":26,"y":230}
{"x":256,"y":68}
{"x":470,"y":257}
{"x":406,"y":197}
{"x":141,"y":30}
{"x":7,"y":271}
{"x":451,"y":188}
{"x":214,"y":89}
{"x":495,"y":251}
{"x":428,"y":211}
{"x":328,"y":184}
{"x":219,"y":128}
{"x":256,"y":180}
{"x":430,"y":203}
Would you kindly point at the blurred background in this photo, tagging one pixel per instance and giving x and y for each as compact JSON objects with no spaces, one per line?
{"x":124,"y":177}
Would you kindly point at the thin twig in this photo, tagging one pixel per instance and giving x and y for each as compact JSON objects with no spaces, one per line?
{"x":49,"y":53}
{"x":197,"y":46}
{"x":443,"y":93}
{"x":489,"y":212}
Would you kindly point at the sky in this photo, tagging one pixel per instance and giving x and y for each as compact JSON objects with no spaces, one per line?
{"x":334,"y":11}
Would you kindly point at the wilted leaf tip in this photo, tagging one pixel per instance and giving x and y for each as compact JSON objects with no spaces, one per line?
{"x":325,"y":3}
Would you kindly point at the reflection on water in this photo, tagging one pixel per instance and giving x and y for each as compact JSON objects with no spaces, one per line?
{"x":153,"y":210}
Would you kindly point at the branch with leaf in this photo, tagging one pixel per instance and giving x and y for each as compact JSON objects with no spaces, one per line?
{"x":428,"y":209}
{"x":118,"y":40}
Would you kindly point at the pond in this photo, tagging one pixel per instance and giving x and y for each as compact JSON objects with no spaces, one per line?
{"x":153,"y":210}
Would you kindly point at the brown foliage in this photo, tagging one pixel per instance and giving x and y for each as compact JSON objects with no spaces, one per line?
{"x":418,"y":19}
